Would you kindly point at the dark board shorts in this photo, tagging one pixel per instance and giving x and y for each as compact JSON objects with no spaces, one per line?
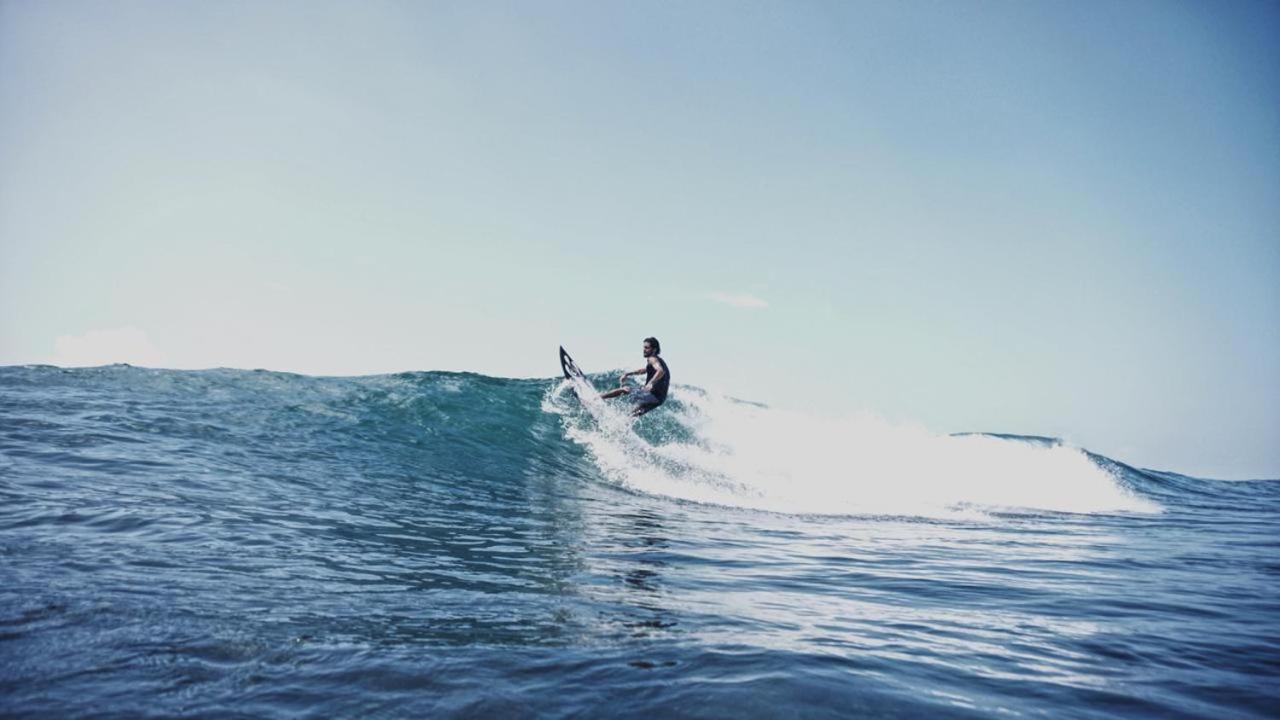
{"x":641,"y":397}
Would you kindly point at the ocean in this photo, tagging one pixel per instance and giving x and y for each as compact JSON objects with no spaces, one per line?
{"x":230,"y":543}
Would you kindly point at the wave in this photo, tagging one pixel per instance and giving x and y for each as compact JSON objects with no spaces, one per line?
{"x":715,"y":449}
{"x":699,"y":447}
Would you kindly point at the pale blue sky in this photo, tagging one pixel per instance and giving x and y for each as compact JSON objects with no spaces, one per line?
{"x":1041,"y":218}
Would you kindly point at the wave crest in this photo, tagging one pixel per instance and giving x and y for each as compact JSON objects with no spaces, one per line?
{"x":714,"y":449}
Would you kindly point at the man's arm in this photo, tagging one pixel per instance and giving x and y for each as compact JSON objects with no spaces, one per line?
{"x":623,"y":377}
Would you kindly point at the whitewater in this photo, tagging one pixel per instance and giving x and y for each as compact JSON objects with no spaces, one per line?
{"x":251,"y":543}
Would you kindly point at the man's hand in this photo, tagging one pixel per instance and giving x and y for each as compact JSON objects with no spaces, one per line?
{"x":622,"y":379}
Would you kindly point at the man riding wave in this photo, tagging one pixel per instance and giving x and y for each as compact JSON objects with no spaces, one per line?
{"x":657,"y":378}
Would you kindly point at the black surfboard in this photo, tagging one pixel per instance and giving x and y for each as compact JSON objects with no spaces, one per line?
{"x":570,"y":368}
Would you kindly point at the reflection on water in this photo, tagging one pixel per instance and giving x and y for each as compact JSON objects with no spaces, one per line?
{"x":645,"y":577}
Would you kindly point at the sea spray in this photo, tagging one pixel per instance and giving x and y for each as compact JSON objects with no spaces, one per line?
{"x":730,"y":452}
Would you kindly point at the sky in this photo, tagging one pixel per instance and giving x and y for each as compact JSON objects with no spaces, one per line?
{"x":1027,"y":217}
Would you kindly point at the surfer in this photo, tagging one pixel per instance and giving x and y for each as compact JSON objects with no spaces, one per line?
{"x":657,"y":378}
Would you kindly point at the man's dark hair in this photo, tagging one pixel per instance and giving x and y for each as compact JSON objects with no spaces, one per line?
{"x":657,"y":346}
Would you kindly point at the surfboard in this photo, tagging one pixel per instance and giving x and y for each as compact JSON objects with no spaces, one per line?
{"x":570,"y":368}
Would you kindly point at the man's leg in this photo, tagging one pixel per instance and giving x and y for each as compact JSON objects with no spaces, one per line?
{"x":613,"y":393}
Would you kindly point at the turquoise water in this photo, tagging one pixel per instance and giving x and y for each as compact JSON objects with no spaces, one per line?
{"x":245,"y":543}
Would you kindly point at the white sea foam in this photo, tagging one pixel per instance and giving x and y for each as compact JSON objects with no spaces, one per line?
{"x":746,"y":455}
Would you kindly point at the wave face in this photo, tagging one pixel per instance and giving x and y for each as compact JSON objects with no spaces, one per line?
{"x":231,"y":542}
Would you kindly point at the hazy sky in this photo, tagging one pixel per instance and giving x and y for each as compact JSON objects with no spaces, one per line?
{"x":1041,"y":218}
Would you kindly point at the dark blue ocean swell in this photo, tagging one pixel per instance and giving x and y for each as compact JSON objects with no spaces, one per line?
{"x":238,"y":543}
